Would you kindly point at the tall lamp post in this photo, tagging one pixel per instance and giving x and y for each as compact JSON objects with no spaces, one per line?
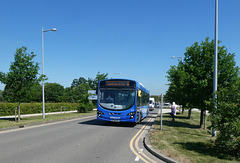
{"x":215,"y":71}
{"x":43,"y":97}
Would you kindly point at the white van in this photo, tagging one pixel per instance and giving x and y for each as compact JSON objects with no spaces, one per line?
{"x":151,"y":103}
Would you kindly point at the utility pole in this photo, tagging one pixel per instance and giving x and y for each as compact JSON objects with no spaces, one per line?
{"x":215,"y":64}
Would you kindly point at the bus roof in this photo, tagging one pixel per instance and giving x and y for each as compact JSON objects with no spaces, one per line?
{"x":138,"y":85}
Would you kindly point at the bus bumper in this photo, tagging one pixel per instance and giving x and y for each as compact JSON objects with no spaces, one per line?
{"x":115,"y":118}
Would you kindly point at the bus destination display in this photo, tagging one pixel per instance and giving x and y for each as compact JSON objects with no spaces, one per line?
{"x":118,"y":83}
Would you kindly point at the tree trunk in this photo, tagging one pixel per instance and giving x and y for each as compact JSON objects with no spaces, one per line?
{"x":189,"y":113}
{"x":204,"y":119}
{"x":19,"y":112}
{"x":182,"y":110}
{"x":201,"y":119}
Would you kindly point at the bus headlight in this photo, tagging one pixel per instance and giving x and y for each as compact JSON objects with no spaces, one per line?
{"x":100,"y":113}
{"x":131,"y":115}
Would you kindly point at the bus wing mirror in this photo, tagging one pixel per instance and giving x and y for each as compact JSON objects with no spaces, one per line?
{"x":139,"y":93}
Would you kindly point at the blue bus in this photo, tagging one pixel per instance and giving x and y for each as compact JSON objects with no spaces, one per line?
{"x":122,"y":100}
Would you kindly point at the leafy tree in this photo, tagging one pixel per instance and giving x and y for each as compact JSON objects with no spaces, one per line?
{"x":227,"y":120}
{"x":67,"y":96}
{"x":177,"y":91}
{"x":193,"y":79}
{"x":80,"y":87}
{"x":79,"y":81}
{"x":77,"y":93}
{"x":34,"y":94}
{"x":98,"y":78}
{"x":22,"y":75}
{"x":53,"y":92}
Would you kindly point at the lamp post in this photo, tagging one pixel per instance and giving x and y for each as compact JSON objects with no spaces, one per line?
{"x":173,"y":57}
{"x":215,"y":71}
{"x":43,"y":97}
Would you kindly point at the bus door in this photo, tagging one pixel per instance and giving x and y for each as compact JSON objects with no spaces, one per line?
{"x":139,"y":94}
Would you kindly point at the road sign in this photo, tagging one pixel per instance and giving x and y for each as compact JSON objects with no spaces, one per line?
{"x":92,"y":97}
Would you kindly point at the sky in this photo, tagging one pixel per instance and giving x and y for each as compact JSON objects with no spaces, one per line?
{"x":132,"y":39}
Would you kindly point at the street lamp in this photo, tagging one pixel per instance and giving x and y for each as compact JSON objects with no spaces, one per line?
{"x":215,"y":70}
{"x":173,"y":57}
{"x":43,"y":98}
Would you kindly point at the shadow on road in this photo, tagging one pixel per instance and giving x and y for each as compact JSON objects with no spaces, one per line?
{"x":96,"y":122}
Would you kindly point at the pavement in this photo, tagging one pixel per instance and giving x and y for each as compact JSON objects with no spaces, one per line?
{"x":38,"y":114}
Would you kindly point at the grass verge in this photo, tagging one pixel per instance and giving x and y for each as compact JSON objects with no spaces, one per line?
{"x":184,"y":141}
{"x":10,"y":122}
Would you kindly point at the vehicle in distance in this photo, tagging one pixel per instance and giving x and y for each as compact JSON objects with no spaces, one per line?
{"x":166,"y":104}
{"x":122,"y":100}
{"x":156,"y":105}
{"x":151,"y":103}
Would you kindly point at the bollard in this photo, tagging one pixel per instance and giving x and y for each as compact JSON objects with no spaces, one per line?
{"x":63,"y":107}
{"x":15,"y":114}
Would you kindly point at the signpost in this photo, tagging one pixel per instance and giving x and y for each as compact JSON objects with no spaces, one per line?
{"x":92,"y":95}
{"x":161,"y":111}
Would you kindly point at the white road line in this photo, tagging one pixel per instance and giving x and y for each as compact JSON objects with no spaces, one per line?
{"x":136,"y":159}
{"x":141,"y":150}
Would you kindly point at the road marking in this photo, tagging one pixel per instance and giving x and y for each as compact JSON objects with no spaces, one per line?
{"x":45,"y":124}
{"x":140,"y":154}
{"x":137,"y":158}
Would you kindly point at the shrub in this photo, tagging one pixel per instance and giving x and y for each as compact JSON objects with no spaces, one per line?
{"x":227,"y":120}
{"x":85,"y":108}
{"x":85,"y":105}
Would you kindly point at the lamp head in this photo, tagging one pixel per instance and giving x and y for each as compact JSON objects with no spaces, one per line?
{"x":53,"y":29}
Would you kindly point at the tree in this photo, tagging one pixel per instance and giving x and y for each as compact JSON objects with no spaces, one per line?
{"x":79,"y":81}
{"x":177,"y":91}
{"x":80,"y":87}
{"x":227,"y":120}
{"x":53,"y":92}
{"x":22,"y":75}
{"x":34,"y":94}
{"x":98,"y":78}
{"x":196,"y":81}
{"x":78,"y":92}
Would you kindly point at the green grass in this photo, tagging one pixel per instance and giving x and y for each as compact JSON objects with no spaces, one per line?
{"x":8,"y":123}
{"x":184,"y":141}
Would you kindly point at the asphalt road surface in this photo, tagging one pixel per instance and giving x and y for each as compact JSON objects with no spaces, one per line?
{"x":83,"y":140}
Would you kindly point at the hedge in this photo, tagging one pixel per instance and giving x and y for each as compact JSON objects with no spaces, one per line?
{"x":7,"y":109}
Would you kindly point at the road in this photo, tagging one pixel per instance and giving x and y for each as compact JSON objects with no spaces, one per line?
{"x":83,"y":140}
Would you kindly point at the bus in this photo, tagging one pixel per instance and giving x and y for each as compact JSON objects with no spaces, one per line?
{"x":122,"y":100}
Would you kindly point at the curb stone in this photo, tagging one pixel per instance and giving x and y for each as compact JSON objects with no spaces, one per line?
{"x":147,"y":145}
{"x":154,"y":152}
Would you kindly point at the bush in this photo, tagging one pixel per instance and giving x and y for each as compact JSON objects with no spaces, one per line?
{"x":227,"y":120}
{"x":85,"y":105}
{"x":85,"y":108}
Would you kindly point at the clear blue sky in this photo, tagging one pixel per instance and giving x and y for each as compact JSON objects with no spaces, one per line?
{"x":136,"y":38}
